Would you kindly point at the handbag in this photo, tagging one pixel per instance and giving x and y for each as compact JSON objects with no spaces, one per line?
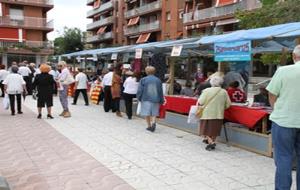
{"x":69,"y":80}
{"x":201,"y":109}
{"x":192,"y":118}
{"x":6,"y":102}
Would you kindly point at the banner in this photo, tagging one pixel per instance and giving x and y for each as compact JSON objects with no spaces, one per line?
{"x":138,"y":53}
{"x":233,"y":51}
{"x":114,"y":56}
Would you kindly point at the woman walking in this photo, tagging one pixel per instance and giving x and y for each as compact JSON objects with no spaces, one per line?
{"x":15,"y":86}
{"x":116,"y":90}
{"x":64,"y":80}
{"x":44,"y":83}
{"x":214,"y":100}
{"x":131,"y":85}
{"x":150,"y":94}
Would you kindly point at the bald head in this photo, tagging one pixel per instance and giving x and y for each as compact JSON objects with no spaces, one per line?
{"x":296,"y":53}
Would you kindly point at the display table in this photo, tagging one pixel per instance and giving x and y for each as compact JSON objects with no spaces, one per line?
{"x":245,"y":116}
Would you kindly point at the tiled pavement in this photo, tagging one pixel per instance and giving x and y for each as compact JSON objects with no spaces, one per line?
{"x":166,"y":160}
{"x":34,"y":156}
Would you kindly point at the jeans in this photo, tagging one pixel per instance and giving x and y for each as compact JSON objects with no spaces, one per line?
{"x":84,"y":93}
{"x":63,"y":97}
{"x":286,"y":141}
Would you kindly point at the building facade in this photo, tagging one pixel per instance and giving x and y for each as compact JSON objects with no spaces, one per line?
{"x":204,"y":17}
{"x":23,"y":30}
{"x":126,"y":22}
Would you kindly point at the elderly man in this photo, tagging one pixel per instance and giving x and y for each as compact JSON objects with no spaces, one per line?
{"x":284,"y":98}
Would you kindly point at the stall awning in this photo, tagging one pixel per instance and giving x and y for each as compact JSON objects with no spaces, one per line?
{"x":101,"y":30}
{"x":220,"y":3}
{"x":143,"y":38}
{"x":227,"y":21}
{"x":133,"y":21}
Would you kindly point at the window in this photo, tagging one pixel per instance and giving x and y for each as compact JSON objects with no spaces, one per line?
{"x":168,"y":16}
{"x":16,"y":14}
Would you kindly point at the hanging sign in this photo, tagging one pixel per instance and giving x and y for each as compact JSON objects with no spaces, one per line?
{"x":233,"y":51}
{"x":176,"y":51}
{"x":138,"y":53}
{"x":114,"y":56}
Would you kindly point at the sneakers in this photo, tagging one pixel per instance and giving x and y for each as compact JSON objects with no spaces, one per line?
{"x":67,"y":114}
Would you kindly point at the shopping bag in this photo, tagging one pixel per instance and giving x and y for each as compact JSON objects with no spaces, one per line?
{"x":139,"y":108}
{"x":6,"y":102}
{"x":162,"y":112}
{"x":193,"y":118}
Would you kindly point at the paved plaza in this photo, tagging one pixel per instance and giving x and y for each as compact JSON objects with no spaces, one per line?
{"x":97,"y":150}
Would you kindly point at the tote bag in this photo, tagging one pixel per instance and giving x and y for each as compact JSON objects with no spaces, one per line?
{"x":6,"y":102}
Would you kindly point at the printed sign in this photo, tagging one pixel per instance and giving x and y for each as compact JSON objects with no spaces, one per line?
{"x":233,"y":51}
{"x":176,"y":51}
{"x":138,"y":53}
{"x":114,"y":56}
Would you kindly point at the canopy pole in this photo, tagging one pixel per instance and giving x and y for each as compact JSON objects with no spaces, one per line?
{"x":189,"y":68}
{"x":172,"y":75}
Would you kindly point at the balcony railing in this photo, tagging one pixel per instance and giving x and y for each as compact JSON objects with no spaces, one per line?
{"x":220,"y":11}
{"x":89,"y":2}
{"x":27,"y":44}
{"x":100,"y":22}
{"x":144,"y":9}
{"x":100,"y":9}
{"x":142,"y":28}
{"x":32,"y":22}
{"x":100,"y":37}
{"x":39,"y":2}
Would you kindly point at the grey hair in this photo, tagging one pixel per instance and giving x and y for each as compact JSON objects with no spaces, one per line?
{"x":14,"y":69}
{"x":296,"y":51}
{"x":216,"y":81}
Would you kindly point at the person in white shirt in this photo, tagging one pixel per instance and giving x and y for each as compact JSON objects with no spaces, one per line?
{"x":26,"y":72}
{"x":14,"y":86}
{"x":131,"y":86}
{"x":81,"y":82}
{"x":3,"y":74}
{"x":107,"y":82}
{"x":54,"y":72}
{"x":63,"y":88}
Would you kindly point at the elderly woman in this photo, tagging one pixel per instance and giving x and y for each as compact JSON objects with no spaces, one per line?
{"x":214,"y":100}
{"x":64,"y":80}
{"x":44,"y":83}
{"x":14,"y":86}
{"x":150,"y":94}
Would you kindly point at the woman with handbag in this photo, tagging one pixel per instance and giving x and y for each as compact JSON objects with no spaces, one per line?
{"x":65,"y":78}
{"x":213,"y":102}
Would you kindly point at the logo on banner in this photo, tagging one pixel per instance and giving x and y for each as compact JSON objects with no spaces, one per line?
{"x":138,"y":53}
{"x":176,"y":51}
{"x":233,"y":51}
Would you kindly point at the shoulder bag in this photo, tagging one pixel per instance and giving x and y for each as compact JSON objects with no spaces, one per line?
{"x":200,"y":109}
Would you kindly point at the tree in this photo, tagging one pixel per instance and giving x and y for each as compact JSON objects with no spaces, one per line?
{"x":70,"y":41}
{"x":272,"y":13}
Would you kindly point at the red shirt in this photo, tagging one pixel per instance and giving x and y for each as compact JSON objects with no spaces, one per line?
{"x":236,"y":95}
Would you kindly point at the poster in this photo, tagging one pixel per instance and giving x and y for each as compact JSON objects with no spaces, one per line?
{"x":233,"y":51}
{"x":176,"y":51}
{"x":114,"y":56}
{"x":138,"y":53}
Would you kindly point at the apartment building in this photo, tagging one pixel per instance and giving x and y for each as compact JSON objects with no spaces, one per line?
{"x":106,"y":26}
{"x":204,"y":17}
{"x":23,"y":30}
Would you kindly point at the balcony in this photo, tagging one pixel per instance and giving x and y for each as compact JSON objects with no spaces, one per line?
{"x":41,"y":3}
{"x":103,"y":7}
{"x":151,"y":7}
{"x":143,"y":28}
{"x":27,"y":44}
{"x":100,"y":22}
{"x":215,"y":12}
{"x":100,"y":37}
{"x":26,"y":22}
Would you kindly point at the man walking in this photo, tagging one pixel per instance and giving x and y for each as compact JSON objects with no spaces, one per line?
{"x":81,"y":82}
{"x":284,"y":97}
{"x":107,"y":82}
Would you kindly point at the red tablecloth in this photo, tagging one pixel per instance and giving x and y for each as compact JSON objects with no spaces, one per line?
{"x":236,"y":114}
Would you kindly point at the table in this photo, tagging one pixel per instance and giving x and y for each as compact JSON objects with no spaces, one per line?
{"x":246,"y":116}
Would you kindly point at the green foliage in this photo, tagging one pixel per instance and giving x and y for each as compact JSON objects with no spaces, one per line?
{"x":272,"y":59}
{"x":70,"y":41}
{"x":270,"y":14}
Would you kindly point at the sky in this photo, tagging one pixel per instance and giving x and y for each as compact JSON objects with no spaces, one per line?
{"x":70,"y":13}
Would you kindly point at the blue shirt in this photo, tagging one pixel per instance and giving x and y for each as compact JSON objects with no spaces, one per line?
{"x":150,"y":89}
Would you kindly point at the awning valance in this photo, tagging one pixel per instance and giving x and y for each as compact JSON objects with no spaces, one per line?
{"x":227,"y":21}
{"x":101,"y":30}
{"x":133,"y":21}
{"x":220,"y":3}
